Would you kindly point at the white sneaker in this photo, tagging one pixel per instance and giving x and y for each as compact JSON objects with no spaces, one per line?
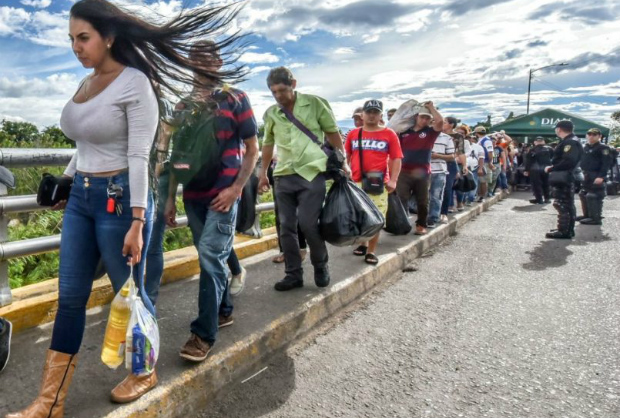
{"x":237,"y":283}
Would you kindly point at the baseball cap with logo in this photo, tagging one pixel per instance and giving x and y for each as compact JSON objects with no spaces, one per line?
{"x":565,"y":125}
{"x":480,"y":130}
{"x":594,"y":131}
{"x":373,"y":105}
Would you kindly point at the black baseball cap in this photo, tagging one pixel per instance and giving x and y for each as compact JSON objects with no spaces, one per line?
{"x":565,"y":125}
{"x":373,"y":105}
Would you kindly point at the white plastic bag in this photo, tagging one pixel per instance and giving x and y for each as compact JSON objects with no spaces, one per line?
{"x":403,"y":118}
{"x":142,"y":347}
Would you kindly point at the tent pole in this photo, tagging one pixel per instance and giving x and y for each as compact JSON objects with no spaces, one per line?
{"x":529,"y":88}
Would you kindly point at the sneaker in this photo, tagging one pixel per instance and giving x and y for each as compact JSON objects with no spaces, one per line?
{"x":480,"y":199}
{"x":237,"y":283}
{"x":321,"y":276}
{"x":444,"y":219}
{"x":469,"y":203}
{"x":289,"y":283}
{"x":430,"y":225}
{"x":5,"y":342}
{"x":420,"y":230}
{"x":195,"y":349}
{"x":225,"y":321}
{"x":460,"y":207}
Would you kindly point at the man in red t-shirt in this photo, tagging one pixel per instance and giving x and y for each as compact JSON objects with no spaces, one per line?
{"x":380,"y":148}
{"x":417,"y":145}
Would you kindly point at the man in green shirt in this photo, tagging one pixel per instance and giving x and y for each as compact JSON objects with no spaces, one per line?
{"x":299,"y":174}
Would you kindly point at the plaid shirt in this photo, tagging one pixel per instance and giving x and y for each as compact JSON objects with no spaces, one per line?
{"x":234,"y":123}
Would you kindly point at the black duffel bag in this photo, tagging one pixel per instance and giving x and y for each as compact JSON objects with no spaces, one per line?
{"x":465,"y":183}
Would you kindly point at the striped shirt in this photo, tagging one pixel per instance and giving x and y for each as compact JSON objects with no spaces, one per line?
{"x":417,"y":147}
{"x":234,"y":123}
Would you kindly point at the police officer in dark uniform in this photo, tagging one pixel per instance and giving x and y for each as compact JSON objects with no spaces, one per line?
{"x":566,"y":157}
{"x":595,"y":164}
{"x":536,"y":161}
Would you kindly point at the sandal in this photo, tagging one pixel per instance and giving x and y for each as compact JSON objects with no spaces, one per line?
{"x":360,"y":251}
{"x":371,"y":259}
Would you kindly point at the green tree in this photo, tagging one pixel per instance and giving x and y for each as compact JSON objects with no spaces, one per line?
{"x":614,"y":134}
{"x":54,"y":137}
{"x":20,"y":131}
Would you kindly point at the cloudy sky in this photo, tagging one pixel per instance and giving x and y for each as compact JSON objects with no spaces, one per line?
{"x":469,"y":56}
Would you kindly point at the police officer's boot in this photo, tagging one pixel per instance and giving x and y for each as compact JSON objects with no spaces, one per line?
{"x":595,"y":210}
{"x":564,"y":227}
{"x":584,"y":207}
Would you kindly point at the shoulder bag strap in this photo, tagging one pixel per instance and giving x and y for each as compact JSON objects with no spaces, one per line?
{"x":360,"y":151}
{"x":289,"y":115}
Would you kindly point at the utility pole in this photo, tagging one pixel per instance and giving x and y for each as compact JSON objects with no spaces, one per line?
{"x":529,"y":81}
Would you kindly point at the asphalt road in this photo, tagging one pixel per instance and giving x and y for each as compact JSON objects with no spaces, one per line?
{"x":497,"y":322}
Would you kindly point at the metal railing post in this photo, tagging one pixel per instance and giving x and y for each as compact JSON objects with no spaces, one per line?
{"x":5,"y":290}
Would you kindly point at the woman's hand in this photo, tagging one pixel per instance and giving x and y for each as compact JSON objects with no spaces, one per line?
{"x":60,"y":205}
{"x":132,"y":247}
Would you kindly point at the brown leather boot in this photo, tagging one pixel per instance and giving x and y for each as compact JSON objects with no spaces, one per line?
{"x":57,"y":374}
{"x":133,"y":387}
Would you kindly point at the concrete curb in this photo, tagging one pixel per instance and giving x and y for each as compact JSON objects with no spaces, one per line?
{"x":191,"y":391}
{"x":37,"y":304}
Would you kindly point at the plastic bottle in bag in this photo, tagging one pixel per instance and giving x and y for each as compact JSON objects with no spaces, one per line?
{"x":113,"y":352}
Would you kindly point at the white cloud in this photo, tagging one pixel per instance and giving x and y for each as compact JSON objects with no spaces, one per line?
{"x":39,"y":4}
{"x":344,"y":51}
{"x":258,"y":57}
{"x":12,"y":19}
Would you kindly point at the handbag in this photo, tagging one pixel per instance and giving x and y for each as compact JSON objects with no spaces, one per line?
{"x":53,"y":189}
{"x":335,"y":157}
{"x":560,"y":178}
{"x":372,"y":182}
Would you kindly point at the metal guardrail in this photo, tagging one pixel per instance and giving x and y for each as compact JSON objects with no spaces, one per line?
{"x":33,"y":157}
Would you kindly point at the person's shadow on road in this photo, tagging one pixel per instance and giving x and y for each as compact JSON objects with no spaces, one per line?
{"x":552,"y":253}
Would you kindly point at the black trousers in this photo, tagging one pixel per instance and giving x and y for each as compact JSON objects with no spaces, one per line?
{"x":300,"y":234}
{"x":565,"y":205}
{"x":540,"y":184}
{"x":592,"y":196}
{"x":300,"y":203}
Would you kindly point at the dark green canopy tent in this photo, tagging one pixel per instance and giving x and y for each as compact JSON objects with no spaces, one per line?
{"x":543,"y":124}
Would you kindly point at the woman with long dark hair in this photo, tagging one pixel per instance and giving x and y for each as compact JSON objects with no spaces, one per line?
{"x":113,"y":118}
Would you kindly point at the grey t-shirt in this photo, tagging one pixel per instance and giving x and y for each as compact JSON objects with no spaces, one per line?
{"x":115,"y":130}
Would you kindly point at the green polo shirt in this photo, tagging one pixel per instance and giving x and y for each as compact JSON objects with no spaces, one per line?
{"x":298,"y":154}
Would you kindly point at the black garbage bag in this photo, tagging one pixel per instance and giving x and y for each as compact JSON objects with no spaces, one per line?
{"x":246,"y":211}
{"x":465,"y":183}
{"x":396,"y":219}
{"x":349,"y":216}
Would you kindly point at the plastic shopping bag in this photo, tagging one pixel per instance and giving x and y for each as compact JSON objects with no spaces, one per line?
{"x":349,"y":216}
{"x":396,"y":219}
{"x":403,"y":118}
{"x":142,"y":347}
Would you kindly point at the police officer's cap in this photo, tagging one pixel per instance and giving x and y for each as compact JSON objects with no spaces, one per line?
{"x":539,"y":138}
{"x":565,"y":125}
{"x":594,"y":131}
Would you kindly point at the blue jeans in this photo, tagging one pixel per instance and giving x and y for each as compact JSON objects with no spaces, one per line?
{"x":213,"y":234}
{"x":471,"y":196}
{"x":438,"y":184}
{"x":155,"y":254}
{"x":90,"y":234}
{"x":448,"y":194}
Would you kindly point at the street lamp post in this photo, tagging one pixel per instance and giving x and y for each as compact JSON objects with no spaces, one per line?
{"x":529,"y":82}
